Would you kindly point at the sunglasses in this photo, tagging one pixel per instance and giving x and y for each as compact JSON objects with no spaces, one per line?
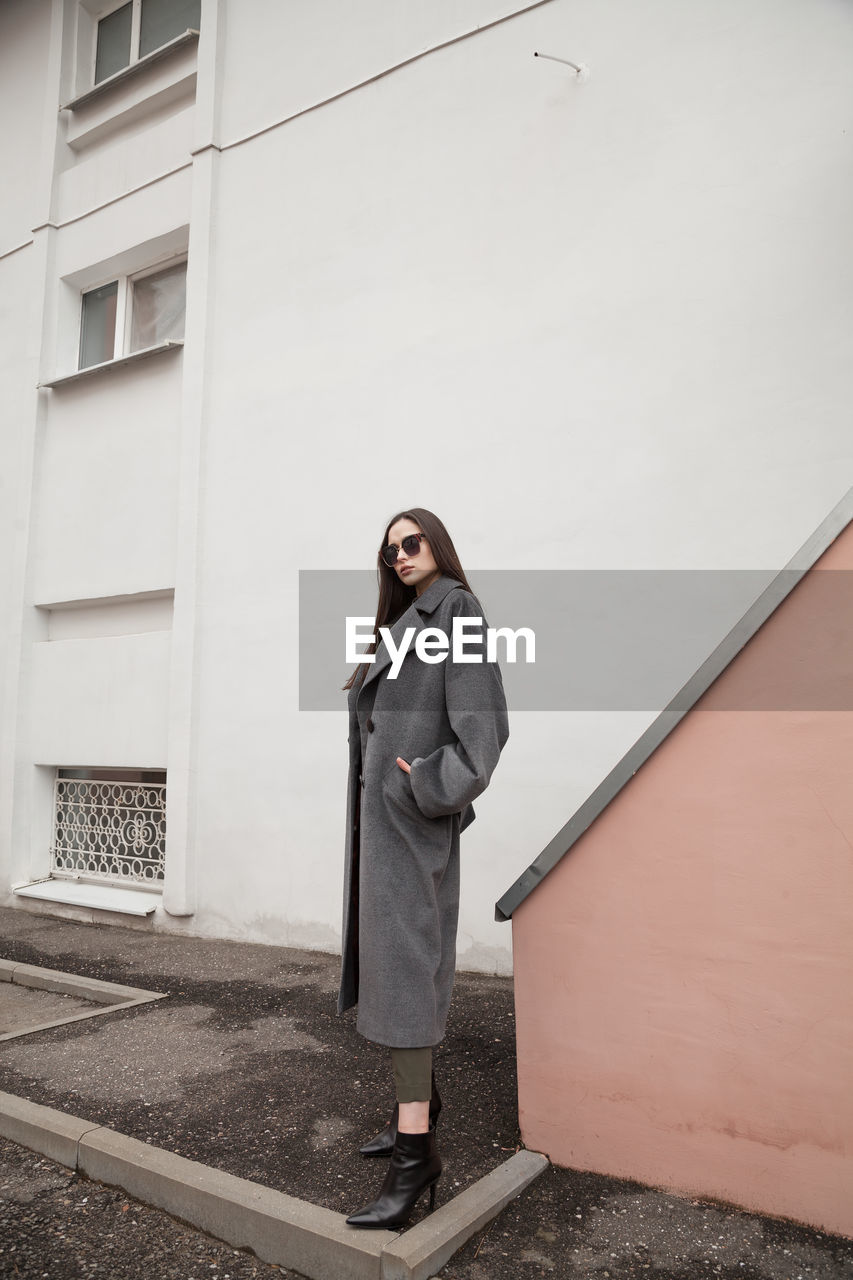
{"x":411,"y":544}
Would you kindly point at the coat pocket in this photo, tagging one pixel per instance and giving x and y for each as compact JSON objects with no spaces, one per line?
{"x":397,"y":791}
{"x":397,"y":785}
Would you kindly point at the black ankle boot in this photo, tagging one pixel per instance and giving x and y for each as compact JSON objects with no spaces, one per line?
{"x":383,"y":1143}
{"x":415,"y":1165}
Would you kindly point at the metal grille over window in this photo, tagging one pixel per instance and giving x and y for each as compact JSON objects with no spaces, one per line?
{"x":112,"y":831}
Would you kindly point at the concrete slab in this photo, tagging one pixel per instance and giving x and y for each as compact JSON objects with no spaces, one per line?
{"x":104,"y":897}
{"x":93,"y":991}
{"x":33,"y":975}
{"x":424,"y":1249}
{"x":23,"y":1009}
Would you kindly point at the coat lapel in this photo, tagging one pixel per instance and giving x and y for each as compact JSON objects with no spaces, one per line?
{"x":410,"y":617}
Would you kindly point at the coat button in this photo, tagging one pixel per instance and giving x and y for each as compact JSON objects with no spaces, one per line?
{"x":369,"y":725}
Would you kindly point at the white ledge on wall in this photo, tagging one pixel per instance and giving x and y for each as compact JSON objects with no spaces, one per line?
{"x":127,"y":73}
{"x":173,"y":344}
{"x":100,"y":897}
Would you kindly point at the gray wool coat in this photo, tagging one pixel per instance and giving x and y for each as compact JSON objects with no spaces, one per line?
{"x":449,"y":721}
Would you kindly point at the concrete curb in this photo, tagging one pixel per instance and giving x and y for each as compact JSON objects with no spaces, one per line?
{"x":112,"y":995}
{"x":279,"y":1228}
{"x":419,"y":1252}
{"x":51,"y":1133}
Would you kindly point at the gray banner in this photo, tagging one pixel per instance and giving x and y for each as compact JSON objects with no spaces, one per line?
{"x":623,"y":640}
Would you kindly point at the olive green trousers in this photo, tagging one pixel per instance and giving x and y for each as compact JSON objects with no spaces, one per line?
{"x":412,"y":1074}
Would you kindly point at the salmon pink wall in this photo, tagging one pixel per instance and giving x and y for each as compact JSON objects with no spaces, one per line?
{"x":683,"y":976}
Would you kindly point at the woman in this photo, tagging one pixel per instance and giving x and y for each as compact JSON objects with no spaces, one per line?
{"x":426,"y":732}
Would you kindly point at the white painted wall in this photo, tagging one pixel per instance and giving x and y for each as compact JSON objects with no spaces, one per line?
{"x":92,"y":466}
{"x":81,"y":686}
{"x":24,"y":40}
{"x":106,"y":489}
{"x":594,"y":323}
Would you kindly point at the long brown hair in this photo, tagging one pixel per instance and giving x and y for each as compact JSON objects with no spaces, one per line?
{"x":394,"y":596}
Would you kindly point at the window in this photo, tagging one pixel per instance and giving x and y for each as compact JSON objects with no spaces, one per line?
{"x":109,"y":825}
{"x":137,"y":28}
{"x":133,"y":313}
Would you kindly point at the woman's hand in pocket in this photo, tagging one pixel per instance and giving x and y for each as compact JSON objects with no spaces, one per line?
{"x":407,"y":768}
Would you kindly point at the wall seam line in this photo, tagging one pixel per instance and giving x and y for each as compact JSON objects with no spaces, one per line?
{"x":151,"y":182}
{"x":277,"y":124}
{"x":380,"y":75}
{"x":7,"y":253}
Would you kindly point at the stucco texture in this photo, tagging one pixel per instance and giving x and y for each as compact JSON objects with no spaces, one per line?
{"x":683,"y":975}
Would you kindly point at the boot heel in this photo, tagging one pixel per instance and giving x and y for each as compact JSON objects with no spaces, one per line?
{"x":415,"y":1165}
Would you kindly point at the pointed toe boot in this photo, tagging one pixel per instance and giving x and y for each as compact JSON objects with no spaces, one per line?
{"x":415,"y":1166}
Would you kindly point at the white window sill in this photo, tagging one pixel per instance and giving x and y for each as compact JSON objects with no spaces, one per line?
{"x":134,"y":69}
{"x":107,"y":366}
{"x":101,"y":897}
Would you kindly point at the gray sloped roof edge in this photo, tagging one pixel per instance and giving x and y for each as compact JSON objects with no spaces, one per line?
{"x":728,"y":648}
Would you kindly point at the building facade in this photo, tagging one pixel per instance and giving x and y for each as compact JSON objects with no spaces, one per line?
{"x":270,"y":272}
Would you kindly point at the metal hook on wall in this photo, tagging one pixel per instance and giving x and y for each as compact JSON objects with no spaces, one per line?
{"x":579,"y":67}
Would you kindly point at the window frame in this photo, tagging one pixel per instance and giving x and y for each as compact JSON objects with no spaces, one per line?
{"x":135,"y":23}
{"x":103,"y":11}
{"x":124,"y":309}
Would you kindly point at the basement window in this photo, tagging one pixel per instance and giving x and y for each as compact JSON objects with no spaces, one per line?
{"x":109,"y":826}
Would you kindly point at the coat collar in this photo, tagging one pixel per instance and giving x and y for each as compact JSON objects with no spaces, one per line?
{"x":429,"y":601}
{"x":425,"y":604}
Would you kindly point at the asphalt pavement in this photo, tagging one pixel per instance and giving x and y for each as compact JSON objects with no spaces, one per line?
{"x":247,"y":1067}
